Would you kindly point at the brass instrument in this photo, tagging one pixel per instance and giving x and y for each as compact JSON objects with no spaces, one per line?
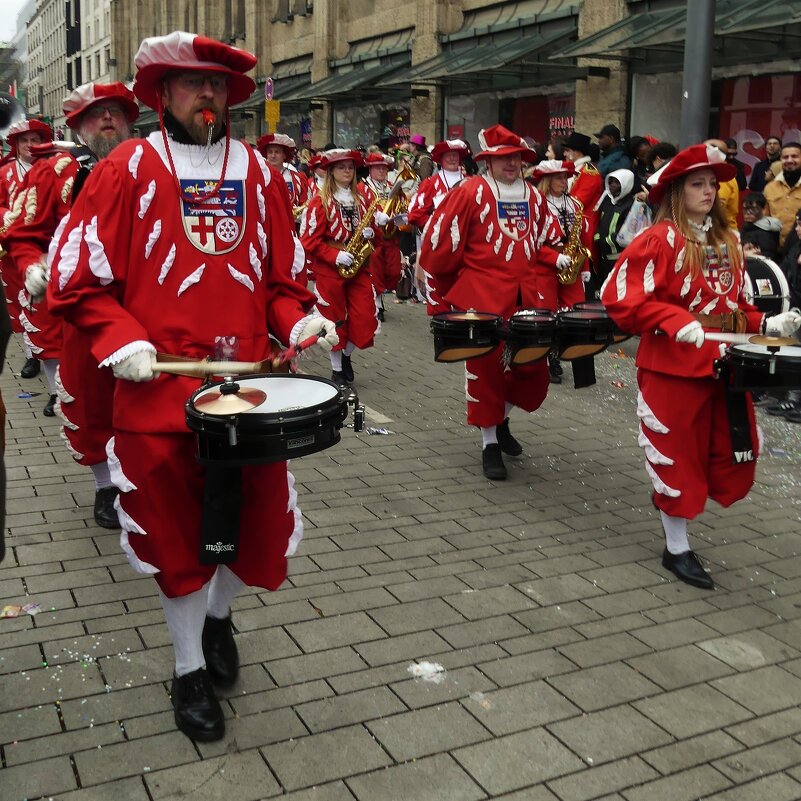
{"x":359,"y":247}
{"x":578,"y":253}
{"x":297,"y":211}
{"x":399,"y":203}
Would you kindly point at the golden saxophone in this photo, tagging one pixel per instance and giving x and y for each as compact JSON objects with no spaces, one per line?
{"x":359,"y":247}
{"x":297,"y":211}
{"x":578,"y":253}
{"x":399,"y":204}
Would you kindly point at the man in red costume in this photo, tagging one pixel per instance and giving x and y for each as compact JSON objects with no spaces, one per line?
{"x":279,"y":150}
{"x":81,"y":395}
{"x":21,"y":137}
{"x":196,"y":251}
{"x":480,"y":248}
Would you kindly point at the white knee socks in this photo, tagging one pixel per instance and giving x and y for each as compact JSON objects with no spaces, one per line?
{"x":50,"y":366}
{"x":349,"y":348}
{"x":507,"y":409}
{"x":489,"y":436}
{"x":185,"y":618}
{"x":102,"y":475}
{"x":224,"y":586}
{"x":336,"y":360}
{"x":675,"y":533}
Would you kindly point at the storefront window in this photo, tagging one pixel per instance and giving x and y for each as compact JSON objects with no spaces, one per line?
{"x":369,"y":124}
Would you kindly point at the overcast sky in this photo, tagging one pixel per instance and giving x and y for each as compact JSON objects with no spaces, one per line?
{"x":8,"y":18}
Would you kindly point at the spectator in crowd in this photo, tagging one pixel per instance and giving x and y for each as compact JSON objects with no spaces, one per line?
{"x":728,"y":191}
{"x":613,"y":153}
{"x":613,"y":208}
{"x":556,"y":149}
{"x":760,"y":232}
{"x":762,"y":174}
{"x":792,"y":266}
{"x":731,"y":157}
{"x":661,"y":153}
{"x":639,"y":149}
{"x":783,"y":193}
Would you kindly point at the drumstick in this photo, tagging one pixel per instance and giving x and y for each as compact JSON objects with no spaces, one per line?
{"x":720,"y":336}
{"x":208,"y":368}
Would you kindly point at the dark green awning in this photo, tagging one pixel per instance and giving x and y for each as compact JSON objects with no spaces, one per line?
{"x":345,"y":82}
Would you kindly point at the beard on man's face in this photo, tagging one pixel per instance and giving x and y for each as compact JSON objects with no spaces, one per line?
{"x":103,"y":142}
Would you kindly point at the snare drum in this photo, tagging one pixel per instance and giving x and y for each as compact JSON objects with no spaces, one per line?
{"x":766,"y":285}
{"x":756,"y":368}
{"x":301,"y":414}
{"x":597,"y":306}
{"x":582,"y":333}
{"x":529,"y":335}
{"x":464,"y":335}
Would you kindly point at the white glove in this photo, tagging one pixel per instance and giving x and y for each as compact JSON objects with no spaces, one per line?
{"x":780,"y":325}
{"x":368,"y":233}
{"x":36,"y":280}
{"x":344,"y":258}
{"x":692,"y":333}
{"x":563,"y":261}
{"x":324,"y":329}
{"x":401,"y":219}
{"x":381,"y":219}
{"x":585,"y":276}
{"x":137,"y":367}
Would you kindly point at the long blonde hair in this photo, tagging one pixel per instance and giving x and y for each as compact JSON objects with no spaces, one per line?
{"x":329,"y":188}
{"x":672,"y":209}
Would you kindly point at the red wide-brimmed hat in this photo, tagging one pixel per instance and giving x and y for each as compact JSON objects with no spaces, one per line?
{"x":317,"y":161}
{"x":89,"y":94}
{"x":286,"y":142}
{"x":499,"y":141}
{"x":331,"y":157}
{"x":450,"y":146}
{"x":691,"y":159}
{"x":379,"y":160}
{"x":553,"y":167}
{"x":28,"y":126}
{"x":180,"y":51}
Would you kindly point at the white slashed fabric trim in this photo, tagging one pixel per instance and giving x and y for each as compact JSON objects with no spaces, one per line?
{"x":241,"y":277}
{"x":659,"y":485}
{"x":620,"y":279}
{"x":77,"y":455}
{"x":65,"y":421}
{"x":98,"y":261}
{"x":68,"y":259}
{"x":509,"y":251}
{"x":262,"y":239}
{"x":133,"y":162}
{"x":428,"y":285}
{"x":260,"y":201}
{"x":695,"y":301}
{"x":526,"y":249}
{"x":731,"y":304}
{"x":670,"y":236}
{"x":29,"y":343}
{"x":153,"y":238}
{"x":61,"y":390}
{"x":321,"y":301}
{"x":265,"y":170}
{"x":722,"y":349}
{"x":304,"y":222}
{"x":468,"y":376}
{"x":649,"y":419}
{"x":66,"y":189}
{"x":61,"y":164}
{"x":479,"y":194}
{"x":30,"y":205}
{"x":128,"y":524}
{"x":255,"y":261}
{"x":484,"y":213}
{"x":490,"y":231}
{"x":193,"y":278}
{"x":652,"y":454}
{"x":680,"y":260}
{"x":312,"y":221}
{"x":435,"y":233}
{"x":498,"y":242}
{"x":292,"y":506}
{"x":147,"y":199}
{"x":22,"y":298}
{"x":685,"y":285}
{"x":167,"y":265}
{"x":26,"y":324}
{"x":335,"y":226}
{"x":119,"y":355}
{"x":456,"y":237}
{"x":710,"y":307}
{"x":648,"y":277}
{"x":118,"y":477}
{"x":56,"y":238}
{"x":299,"y":257}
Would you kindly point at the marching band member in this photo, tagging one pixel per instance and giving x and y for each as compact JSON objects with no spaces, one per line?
{"x":21,"y":137}
{"x":385,"y":262}
{"x":680,"y":278}
{"x":478,"y":249}
{"x":279,"y":151}
{"x":326,"y":229}
{"x":197,"y":247}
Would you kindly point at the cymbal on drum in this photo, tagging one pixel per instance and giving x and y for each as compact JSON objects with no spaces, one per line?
{"x":242,"y":400}
{"x":773,"y":342}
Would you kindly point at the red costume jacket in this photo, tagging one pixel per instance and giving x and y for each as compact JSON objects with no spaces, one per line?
{"x":319,"y":227}
{"x":297,"y":185}
{"x":428,"y":196}
{"x":12,"y":184}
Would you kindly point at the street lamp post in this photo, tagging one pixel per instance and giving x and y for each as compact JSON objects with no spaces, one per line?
{"x":697,"y":82}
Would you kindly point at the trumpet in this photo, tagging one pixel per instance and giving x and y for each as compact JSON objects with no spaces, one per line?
{"x":398,"y":203}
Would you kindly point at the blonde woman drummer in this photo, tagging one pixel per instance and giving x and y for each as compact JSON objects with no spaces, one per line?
{"x":679,"y":279}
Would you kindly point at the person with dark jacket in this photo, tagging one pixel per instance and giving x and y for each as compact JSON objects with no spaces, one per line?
{"x":731,"y":157}
{"x":613,"y":152}
{"x":760,"y":232}
{"x":613,"y":208}
{"x":792,"y":264}
{"x":761,"y":173}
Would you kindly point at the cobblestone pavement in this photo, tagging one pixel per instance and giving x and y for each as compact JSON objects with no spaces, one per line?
{"x":573,"y":667}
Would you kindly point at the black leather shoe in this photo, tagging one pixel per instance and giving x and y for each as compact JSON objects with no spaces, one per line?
{"x":31,"y":368}
{"x":688,"y":569}
{"x":198,"y":713}
{"x":380,"y":315}
{"x":105,"y":513}
{"x":492,"y":462}
{"x":50,"y":409}
{"x":219,"y":649}
{"x":555,"y":366}
{"x":347,"y":368}
{"x":338,"y":377}
{"x":509,"y":445}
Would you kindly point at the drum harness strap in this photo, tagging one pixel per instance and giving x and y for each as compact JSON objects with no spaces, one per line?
{"x":733,"y":323}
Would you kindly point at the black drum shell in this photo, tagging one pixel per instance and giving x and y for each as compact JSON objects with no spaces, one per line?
{"x":749,"y":371}
{"x":266,"y":437}
{"x":597,"y":306}
{"x":459,"y":336}
{"x":529,"y":335}
{"x":582,"y":333}
{"x":760,"y":271}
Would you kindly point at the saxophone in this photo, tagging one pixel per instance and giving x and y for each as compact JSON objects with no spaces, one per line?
{"x":359,"y":247}
{"x":573,"y":248}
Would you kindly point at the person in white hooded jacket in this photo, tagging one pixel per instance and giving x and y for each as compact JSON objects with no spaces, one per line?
{"x":613,"y":207}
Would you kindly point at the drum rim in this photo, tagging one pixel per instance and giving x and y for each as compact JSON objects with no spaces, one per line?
{"x":572,"y":315}
{"x":746,"y":349}
{"x":449,"y":316}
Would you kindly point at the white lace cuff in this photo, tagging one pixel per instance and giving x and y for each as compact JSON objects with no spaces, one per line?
{"x":137,"y":346}
{"x":294,"y":335}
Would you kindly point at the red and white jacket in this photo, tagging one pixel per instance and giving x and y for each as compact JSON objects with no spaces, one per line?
{"x":560,"y":231}
{"x":297,"y":185}
{"x":479,"y":248}
{"x":12,"y":180}
{"x":429,"y":195}
{"x":649,"y":289}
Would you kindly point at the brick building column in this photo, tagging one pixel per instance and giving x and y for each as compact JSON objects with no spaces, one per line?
{"x":325,"y":32}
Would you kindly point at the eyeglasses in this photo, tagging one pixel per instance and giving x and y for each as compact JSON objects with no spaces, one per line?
{"x":194,"y":82}
{"x":98,"y":111}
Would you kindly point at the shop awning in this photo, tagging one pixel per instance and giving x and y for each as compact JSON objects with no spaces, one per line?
{"x":657,"y":28}
{"x":358,"y":78}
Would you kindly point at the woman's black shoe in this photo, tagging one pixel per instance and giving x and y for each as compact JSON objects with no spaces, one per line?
{"x":105,"y":513}
{"x":492,"y":463}
{"x":338,"y":377}
{"x":219,"y":650}
{"x":688,"y":569}
{"x":31,"y":368}
{"x":50,"y":409}
{"x":508,"y":443}
{"x":198,"y":713}
{"x":347,"y":368}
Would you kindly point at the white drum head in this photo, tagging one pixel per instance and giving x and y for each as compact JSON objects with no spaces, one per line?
{"x":761,"y":286}
{"x":786,"y":351}
{"x":285,"y":393}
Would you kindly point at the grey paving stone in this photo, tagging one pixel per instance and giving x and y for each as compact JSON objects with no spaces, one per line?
{"x":596,"y":782}
{"x":750,"y":649}
{"x":603,"y":686}
{"x":132,"y":789}
{"x":415,"y":616}
{"x":557,"y":616}
{"x":517,"y":760}
{"x":526,"y":667}
{"x":688,"y":785}
{"x":692,"y":752}
{"x":762,"y":691}
{"x":490,"y":602}
{"x":263,"y":617}
{"x":51,"y":776}
{"x":767,"y":728}
{"x":559,"y":589}
{"x":314,"y":666}
{"x":756,"y":762}
{"x":47,"y":685}
{"x":102,"y":707}
{"x":323,"y":757}
{"x":459,"y":683}
{"x":254,"y":731}
{"x":62,"y":743}
{"x":679,"y":667}
{"x":671,"y":635}
{"x":333,"y":632}
{"x":404,"y":646}
{"x":604,"y":649}
{"x":343,"y":710}
{"x":778,"y":787}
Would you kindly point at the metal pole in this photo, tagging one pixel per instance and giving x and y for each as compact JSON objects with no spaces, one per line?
{"x":697,"y":81}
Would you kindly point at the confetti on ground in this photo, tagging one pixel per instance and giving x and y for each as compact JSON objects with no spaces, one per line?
{"x":10,"y":610}
{"x":481,"y":700}
{"x":32,"y":609}
{"x":428,"y":671}
{"x":27,"y":395}
{"x":618,"y":384}
{"x":378,"y":431}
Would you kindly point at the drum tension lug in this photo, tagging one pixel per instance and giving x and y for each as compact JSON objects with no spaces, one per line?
{"x":358,"y":412}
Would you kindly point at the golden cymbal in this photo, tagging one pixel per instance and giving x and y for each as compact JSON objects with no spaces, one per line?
{"x":773,"y":342}
{"x":232,"y":403}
